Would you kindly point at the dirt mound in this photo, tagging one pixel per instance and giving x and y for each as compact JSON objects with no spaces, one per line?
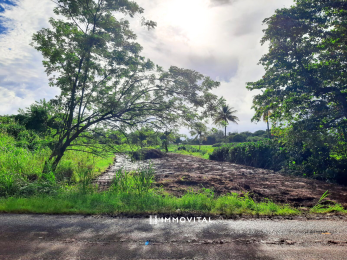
{"x":145,"y":154}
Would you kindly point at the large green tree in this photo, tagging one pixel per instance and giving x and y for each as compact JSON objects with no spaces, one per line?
{"x":92,"y":56}
{"x":306,"y":73}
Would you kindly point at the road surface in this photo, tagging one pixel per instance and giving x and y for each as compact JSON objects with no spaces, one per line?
{"x":95,"y":237}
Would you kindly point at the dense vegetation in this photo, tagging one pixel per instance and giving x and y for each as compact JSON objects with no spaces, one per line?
{"x":304,"y":89}
{"x":320,"y":163}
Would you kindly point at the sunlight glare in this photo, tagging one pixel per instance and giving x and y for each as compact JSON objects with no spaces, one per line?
{"x":191,"y":17}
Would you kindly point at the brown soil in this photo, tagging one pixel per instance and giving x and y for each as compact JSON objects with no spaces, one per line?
{"x":181,"y":172}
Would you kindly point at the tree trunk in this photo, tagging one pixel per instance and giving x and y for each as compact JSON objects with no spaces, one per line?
{"x":166,"y":149}
{"x":225,"y":132}
{"x":268,"y":128}
{"x":55,"y":157}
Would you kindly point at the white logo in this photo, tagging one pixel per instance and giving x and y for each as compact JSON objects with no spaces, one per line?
{"x":153,"y":219}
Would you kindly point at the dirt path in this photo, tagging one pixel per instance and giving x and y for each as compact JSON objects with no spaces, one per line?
{"x":81,"y":237}
{"x":176,"y":173}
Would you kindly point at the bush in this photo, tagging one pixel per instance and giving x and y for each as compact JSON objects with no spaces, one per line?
{"x":239,"y":138}
{"x":182,"y":148}
{"x":217,"y":145}
{"x":254,"y":139}
{"x":220,"y":154}
{"x":145,"y":154}
{"x":264,"y":154}
{"x":259,"y":133}
{"x":295,"y":160}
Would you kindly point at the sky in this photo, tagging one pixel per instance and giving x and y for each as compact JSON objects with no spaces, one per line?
{"x":218,"y":38}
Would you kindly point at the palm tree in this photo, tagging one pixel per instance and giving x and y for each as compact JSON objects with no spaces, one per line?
{"x":199,"y":130}
{"x":225,"y":115}
{"x":266,"y":115}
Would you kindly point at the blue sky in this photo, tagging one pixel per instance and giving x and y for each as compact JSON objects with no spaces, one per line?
{"x":3,"y":6}
{"x":219,"y":38}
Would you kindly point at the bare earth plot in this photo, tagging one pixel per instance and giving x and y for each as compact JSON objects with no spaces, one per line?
{"x":176,"y":173}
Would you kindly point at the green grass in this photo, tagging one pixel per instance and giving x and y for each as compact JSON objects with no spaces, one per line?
{"x":133,"y":192}
{"x":74,"y":201}
{"x":21,"y":169}
{"x":110,"y":202}
{"x":193,"y":150}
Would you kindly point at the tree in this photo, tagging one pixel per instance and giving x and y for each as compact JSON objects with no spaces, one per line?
{"x":105,"y":83}
{"x":199,"y":130}
{"x":306,"y":74}
{"x":305,"y":81}
{"x":166,"y":137}
{"x":224,"y":115}
{"x":266,"y":116}
{"x":38,"y":117}
{"x":239,"y":138}
{"x":259,"y":133}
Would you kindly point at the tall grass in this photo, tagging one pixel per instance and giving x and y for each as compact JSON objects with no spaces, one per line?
{"x":118,"y":201}
{"x":21,"y":169}
{"x":137,"y":182}
{"x":18,"y":160}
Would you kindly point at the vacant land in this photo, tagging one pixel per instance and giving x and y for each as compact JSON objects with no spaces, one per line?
{"x":178,"y":173}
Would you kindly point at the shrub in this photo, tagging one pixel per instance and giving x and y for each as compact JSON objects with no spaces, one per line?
{"x":182,"y":148}
{"x":264,"y":154}
{"x":145,"y":154}
{"x":239,"y":138}
{"x":217,"y":145}
{"x":254,"y":139}
{"x":220,"y":154}
{"x":296,"y":160}
{"x":259,"y":133}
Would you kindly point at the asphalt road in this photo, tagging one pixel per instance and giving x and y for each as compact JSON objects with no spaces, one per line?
{"x":80,"y":237}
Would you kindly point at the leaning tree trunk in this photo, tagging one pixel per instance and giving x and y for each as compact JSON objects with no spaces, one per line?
{"x":53,"y":161}
{"x":56,"y":155}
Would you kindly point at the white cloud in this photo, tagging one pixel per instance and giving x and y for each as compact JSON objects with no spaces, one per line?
{"x":220,"y":38}
{"x":22,"y":76}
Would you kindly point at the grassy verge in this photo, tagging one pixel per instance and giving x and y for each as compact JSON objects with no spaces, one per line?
{"x":133,"y":192}
{"x":76,"y":202}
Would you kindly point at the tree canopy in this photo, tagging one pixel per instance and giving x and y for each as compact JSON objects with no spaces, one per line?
{"x":306,"y":75}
